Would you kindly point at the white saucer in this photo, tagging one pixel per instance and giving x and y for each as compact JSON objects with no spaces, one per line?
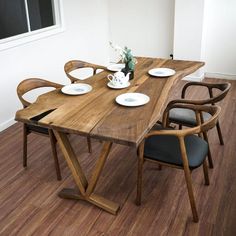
{"x":132,"y":99}
{"x":161,"y":72}
{"x":116,"y":67}
{"x":76,"y":89}
{"x":111,"y":85}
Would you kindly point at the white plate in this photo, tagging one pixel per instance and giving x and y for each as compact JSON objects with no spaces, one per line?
{"x":132,"y":99}
{"x":161,"y":72}
{"x":111,"y":85}
{"x":116,"y":67}
{"x":76,"y":89}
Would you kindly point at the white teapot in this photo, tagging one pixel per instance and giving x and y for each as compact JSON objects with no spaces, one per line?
{"x":118,"y":79}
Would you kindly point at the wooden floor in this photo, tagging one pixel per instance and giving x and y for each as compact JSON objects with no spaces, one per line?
{"x":29,"y":204}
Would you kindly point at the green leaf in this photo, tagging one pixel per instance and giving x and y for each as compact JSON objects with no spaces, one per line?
{"x":131,"y":65}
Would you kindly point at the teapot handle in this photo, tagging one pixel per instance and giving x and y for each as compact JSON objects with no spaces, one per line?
{"x":110,"y":77}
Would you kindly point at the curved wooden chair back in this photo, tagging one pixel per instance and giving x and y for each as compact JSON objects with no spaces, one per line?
{"x":76,"y":64}
{"x":30,"y":84}
{"x":202,"y":126}
{"x":222,"y":87}
{"x":24,"y":87}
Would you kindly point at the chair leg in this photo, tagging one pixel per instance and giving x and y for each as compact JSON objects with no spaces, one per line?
{"x":219,"y":133}
{"x":25,"y":133}
{"x":205,"y":171}
{"x":140,"y":174}
{"x":188,"y":179}
{"x":139,"y":182}
{"x":210,"y":161}
{"x":191,"y":195}
{"x":89,"y":145}
{"x":53,"y":142}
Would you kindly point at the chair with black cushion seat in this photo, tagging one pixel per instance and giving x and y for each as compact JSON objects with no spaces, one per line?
{"x":24,"y":87}
{"x":181,"y":149}
{"x":187,"y":118}
{"x":76,"y":64}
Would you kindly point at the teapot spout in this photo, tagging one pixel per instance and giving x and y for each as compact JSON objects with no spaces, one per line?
{"x":127,"y":75}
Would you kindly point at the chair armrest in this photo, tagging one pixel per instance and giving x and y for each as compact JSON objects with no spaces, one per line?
{"x":223,"y":87}
{"x":184,"y":104}
{"x":186,"y":101}
{"x":198,"y":109}
{"x":77,"y":64}
{"x":209,"y":86}
{"x":177,"y":133}
{"x":33,"y":83}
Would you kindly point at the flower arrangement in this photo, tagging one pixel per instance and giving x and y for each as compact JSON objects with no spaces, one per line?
{"x":126,"y":57}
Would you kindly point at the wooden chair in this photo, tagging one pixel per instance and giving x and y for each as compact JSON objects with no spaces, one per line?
{"x":178,"y":148}
{"x":24,"y":87}
{"x":76,"y":64}
{"x":185,"y":117}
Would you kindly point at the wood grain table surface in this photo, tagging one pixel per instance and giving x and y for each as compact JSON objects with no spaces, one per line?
{"x":96,"y":114}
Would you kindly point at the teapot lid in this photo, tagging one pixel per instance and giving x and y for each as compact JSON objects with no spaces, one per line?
{"x":119,"y":74}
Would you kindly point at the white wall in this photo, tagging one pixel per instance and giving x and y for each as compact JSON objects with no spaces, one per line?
{"x":221,"y":37}
{"x":144,"y":26}
{"x":206,"y":30}
{"x":188,"y":29}
{"x":189,"y":37}
{"x":85,"y":37}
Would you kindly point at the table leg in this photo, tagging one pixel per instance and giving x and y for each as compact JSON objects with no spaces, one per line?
{"x":86,"y":189}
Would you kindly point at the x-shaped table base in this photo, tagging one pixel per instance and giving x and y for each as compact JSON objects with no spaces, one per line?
{"x":86,"y":189}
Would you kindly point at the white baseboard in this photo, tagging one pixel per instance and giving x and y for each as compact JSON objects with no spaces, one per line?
{"x":7,"y":124}
{"x":220,"y":76}
{"x":194,"y":78}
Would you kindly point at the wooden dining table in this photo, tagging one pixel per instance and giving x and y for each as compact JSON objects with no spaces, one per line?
{"x":97,"y":115}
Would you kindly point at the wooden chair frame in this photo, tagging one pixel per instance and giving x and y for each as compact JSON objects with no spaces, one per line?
{"x":24,"y":87}
{"x":223,"y":87}
{"x":76,"y":64}
{"x":180,"y":134}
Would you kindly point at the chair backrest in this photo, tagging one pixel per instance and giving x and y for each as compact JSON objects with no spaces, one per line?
{"x":202,"y":125}
{"x":30,"y":84}
{"x":222,"y":87}
{"x":76,"y":64}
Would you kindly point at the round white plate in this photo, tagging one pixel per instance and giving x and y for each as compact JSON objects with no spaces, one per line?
{"x":111,"y":85}
{"x":132,"y":99}
{"x":116,"y":67}
{"x":161,"y":72}
{"x":76,"y":89}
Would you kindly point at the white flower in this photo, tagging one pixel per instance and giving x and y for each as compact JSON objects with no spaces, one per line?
{"x":125,"y":55}
{"x":119,"y":49}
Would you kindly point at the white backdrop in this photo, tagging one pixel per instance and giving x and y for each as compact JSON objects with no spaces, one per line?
{"x":221,"y":38}
{"x":144,"y":26}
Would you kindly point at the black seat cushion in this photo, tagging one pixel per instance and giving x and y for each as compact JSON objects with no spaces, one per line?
{"x":167,"y":149}
{"x":185,"y":116}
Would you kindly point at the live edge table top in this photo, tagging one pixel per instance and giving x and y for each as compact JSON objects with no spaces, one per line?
{"x":96,"y":114}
